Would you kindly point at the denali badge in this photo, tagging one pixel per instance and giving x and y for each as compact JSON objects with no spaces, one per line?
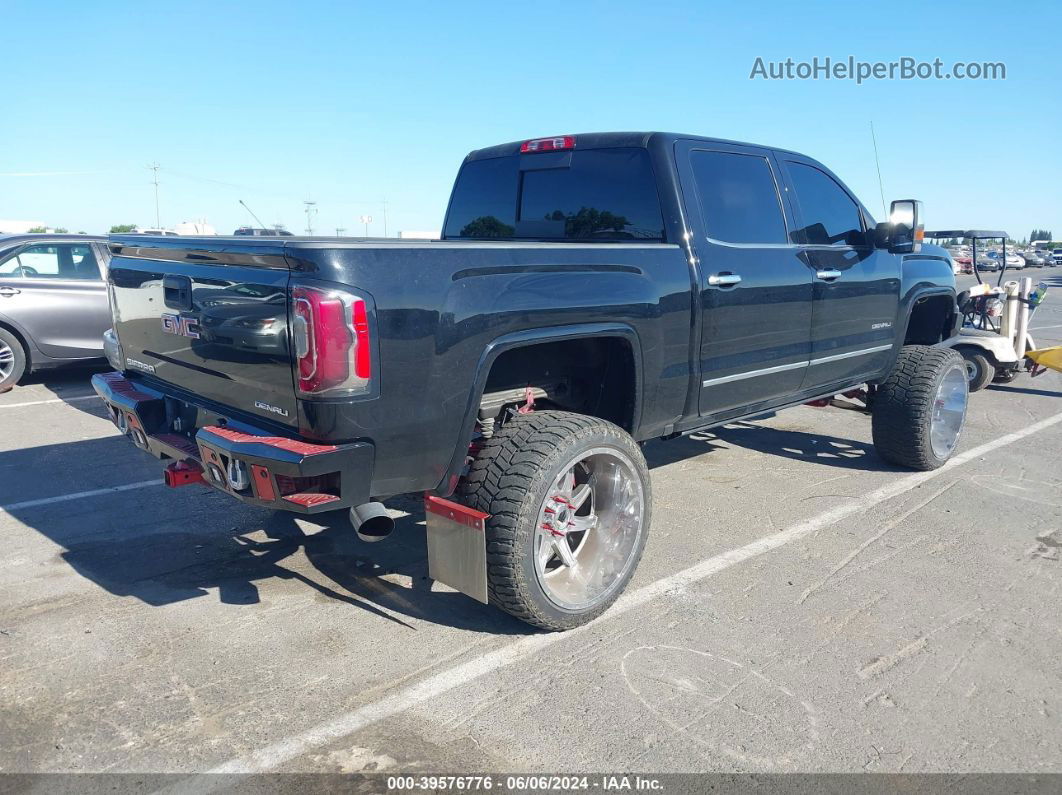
{"x":876,"y":326}
{"x":258,"y":404}
{"x":147,"y":368}
{"x":181,"y":326}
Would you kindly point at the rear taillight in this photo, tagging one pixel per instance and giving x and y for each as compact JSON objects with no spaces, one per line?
{"x":333,"y":349}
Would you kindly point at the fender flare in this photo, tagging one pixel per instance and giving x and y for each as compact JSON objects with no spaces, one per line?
{"x":523,"y":339}
{"x":904,"y":320}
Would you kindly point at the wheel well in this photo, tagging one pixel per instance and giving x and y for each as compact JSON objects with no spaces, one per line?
{"x":593,"y":375}
{"x":931,"y":320}
{"x":14,"y":332}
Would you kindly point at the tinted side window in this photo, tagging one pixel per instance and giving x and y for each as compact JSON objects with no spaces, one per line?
{"x":484,"y":200}
{"x":829,"y":214}
{"x":738,"y":197}
{"x":81,"y":265}
{"x":606,"y":194}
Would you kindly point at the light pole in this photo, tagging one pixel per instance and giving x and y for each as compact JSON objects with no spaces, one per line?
{"x":340,"y":230}
{"x":366,"y":219}
{"x":311,"y":210}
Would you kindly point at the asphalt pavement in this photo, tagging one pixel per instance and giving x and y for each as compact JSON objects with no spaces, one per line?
{"x":801,"y":606}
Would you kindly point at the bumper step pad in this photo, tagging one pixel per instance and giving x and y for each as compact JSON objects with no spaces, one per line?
{"x":330,"y":476}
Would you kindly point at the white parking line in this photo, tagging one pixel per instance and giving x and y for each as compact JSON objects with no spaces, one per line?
{"x":1041,"y":328}
{"x":436,"y":685}
{"x":143,"y":484}
{"x":43,"y":402}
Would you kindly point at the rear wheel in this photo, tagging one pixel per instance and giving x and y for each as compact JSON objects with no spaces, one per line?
{"x":979,"y":370}
{"x":12,"y":360}
{"x":569,"y":502}
{"x":920,"y":409}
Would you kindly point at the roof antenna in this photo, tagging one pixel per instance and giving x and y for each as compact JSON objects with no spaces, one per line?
{"x":877,"y":163}
{"x":255,"y":217}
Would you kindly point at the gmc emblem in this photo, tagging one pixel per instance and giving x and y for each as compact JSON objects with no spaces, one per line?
{"x":181,"y":326}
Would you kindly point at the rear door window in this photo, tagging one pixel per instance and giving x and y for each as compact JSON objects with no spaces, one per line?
{"x":738,"y":197}
{"x":595,"y":195}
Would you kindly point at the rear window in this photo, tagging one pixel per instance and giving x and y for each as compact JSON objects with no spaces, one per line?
{"x":738,"y":196}
{"x":592,"y":195}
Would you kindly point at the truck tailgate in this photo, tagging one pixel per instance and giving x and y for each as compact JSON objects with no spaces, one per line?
{"x":209,"y":317}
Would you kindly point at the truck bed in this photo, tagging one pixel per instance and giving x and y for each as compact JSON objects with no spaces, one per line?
{"x":438,"y":312}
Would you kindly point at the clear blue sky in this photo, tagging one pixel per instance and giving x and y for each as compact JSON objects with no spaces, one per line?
{"x":348,"y":103}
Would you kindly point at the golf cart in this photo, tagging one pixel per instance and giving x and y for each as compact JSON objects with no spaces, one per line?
{"x":994,"y":338}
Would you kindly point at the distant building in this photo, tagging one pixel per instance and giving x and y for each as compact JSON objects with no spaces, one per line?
{"x":8,"y":227}
{"x":417,"y":235}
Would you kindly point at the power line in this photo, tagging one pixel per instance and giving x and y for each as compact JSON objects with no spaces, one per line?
{"x":311,"y":210}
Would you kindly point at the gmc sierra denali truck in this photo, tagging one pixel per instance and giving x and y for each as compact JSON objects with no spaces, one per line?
{"x":589,"y":293}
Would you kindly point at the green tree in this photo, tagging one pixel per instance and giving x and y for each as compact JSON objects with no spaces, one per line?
{"x":588,"y":221}
{"x":36,"y":230}
{"x":119,"y":229}
{"x":61,"y":230}
{"x":487,"y":226}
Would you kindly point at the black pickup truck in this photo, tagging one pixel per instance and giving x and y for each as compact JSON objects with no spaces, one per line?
{"x":589,"y":293}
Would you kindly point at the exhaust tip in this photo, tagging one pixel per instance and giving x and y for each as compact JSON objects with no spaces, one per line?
{"x":372,"y":522}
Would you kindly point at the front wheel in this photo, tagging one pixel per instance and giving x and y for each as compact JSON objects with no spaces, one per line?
{"x":920,"y":409}
{"x":569,"y":502}
{"x":12,"y":360}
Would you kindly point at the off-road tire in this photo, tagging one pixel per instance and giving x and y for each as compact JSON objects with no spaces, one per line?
{"x":19,"y":364}
{"x":509,"y":478}
{"x":980,"y":369}
{"x":903,"y":406}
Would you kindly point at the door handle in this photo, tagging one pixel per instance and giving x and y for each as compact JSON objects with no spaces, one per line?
{"x":828,"y":275}
{"x":9,"y":291}
{"x":724,"y":279}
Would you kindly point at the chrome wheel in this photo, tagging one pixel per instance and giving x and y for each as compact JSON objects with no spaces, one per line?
{"x":949,"y":411}
{"x":589,"y":526}
{"x":7,"y":361}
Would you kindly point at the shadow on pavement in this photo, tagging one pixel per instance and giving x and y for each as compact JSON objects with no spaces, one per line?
{"x":63,"y":383}
{"x":129,"y":547}
{"x":1023,"y":390}
{"x":117,"y":546}
{"x":797,"y":445}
